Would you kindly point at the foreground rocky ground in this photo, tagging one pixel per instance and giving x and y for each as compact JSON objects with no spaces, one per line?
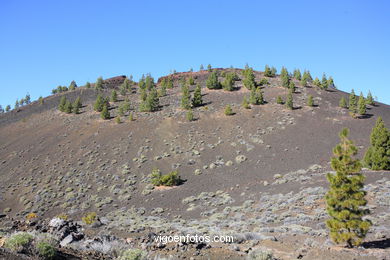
{"x":258,"y":176}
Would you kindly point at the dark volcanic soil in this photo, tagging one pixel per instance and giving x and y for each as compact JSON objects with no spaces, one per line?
{"x":259,"y":172}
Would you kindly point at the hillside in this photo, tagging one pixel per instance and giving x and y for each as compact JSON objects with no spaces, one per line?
{"x":258,"y":175}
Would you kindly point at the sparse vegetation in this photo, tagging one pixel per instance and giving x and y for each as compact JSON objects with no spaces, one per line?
{"x":345,"y":197}
{"x":377,"y":156}
{"x":190,"y":116}
{"x":297,"y":74}
{"x":132,"y":254}
{"x":268,"y":72}
{"x":245,"y":103}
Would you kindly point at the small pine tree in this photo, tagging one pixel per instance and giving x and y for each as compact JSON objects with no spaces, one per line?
{"x":229,"y":110}
{"x":285,"y":80}
{"x":114,"y":96}
{"x":307,"y":76}
{"x":98,"y":106}
{"x":268,"y":71}
{"x":170,"y":83}
{"x":118,"y":120}
{"x":279,"y":100}
{"x":249,"y":78}
{"x":190,"y":116}
{"x":99,"y":84}
{"x":324,"y":82}
{"x":310,"y":101}
{"x":297,"y":74}
{"x":191,"y":81}
{"x":7,"y":108}
{"x":62,"y":104}
{"x":345,"y":198}
{"x":105,"y":114}
{"x":289,"y":101}
{"x":245,"y":103}
{"x":72,"y":85}
{"x":131,"y":117}
{"x":303,"y":82}
{"x":68,"y":107}
{"x":163,"y":91}
{"x":40,"y":100}
{"x":228,"y":83}
{"x":343,"y":103}
{"x":352,"y":104}
{"x":331,"y":83}
{"x":292,"y":86}
{"x":369,"y":99}
{"x":209,"y":68}
{"x":212,"y":81}
{"x":186,"y":97}
{"x":88,"y":85}
{"x":362,"y":105}
{"x":253,"y":97}
{"x":377,"y":156}
{"x":201,"y":67}
{"x":317,"y":82}
{"x":197,"y":99}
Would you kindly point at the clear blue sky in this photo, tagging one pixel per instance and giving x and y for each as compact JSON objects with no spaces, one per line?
{"x":44,"y":44}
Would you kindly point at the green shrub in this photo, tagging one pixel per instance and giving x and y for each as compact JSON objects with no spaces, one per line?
{"x":90,"y":218}
{"x":212,"y":81}
{"x":279,"y":100}
{"x":229,"y":110}
{"x":19,"y":242}
{"x":343,"y":103}
{"x":245,"y":103}
{"x":310,"y":101}
{"x":46,"y":250}
{"x":170,"y":179}
{"x":190,"y":116}
{"x":132,"y":254}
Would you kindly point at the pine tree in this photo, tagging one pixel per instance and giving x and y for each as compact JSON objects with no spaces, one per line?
{"x":7,"y":108}
{"x":27,"y":99}
{"x":118,"y":120}
{"x":343,"y":103}
{"x":201,"y":67}
{"x":40,"y":100}
{"x":310,"y":101}
{"x":317,"y":82}
{"x":163,"y":91}
{"x":98,"y":106}
{"x":283,"y":72}
{"x":131,"y":117}
{"x":212,"y":81}
{"x":143,"y":94}
{"x":377,"y":156}
{"x":88,"y":85}
{"x":185,"y":97}
{"x":77,"y":105}
{"x":307,"y":76}
{"x":170,"y":83}
{"x":105,"y":114}
{"x":369,"y":99}
{"x":228,"y":83}
{"x":253,"y":97}
{"x":99,"y":84}
{"x":190,"y":115}
{"x":297,"y":74}
{"x":324,"y":82}
{"x":68,"y":107}
{"x":331,"y":83}
{"x":229,"y":110}
{"x":362,"y":105}
{"x":114,"y":96}
{"x":249,"y":78}
{"x":285,"y":80}
{"x":191,"y":81}
{"x":279,"y":100}
{"x":292,"y":86}
{"x":16,"y":104}
{"x":72,"y":85}
{"x":352,"y":103}
{"x":245,"y":103}
{"x":259,"y":96}
{"x":345,"y":197}
{"x":268,"y":72}
{"x":62,"y":104}
{"x":197,"y":99}
{"x":209,"y":68}
{"x":289,"y":101}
